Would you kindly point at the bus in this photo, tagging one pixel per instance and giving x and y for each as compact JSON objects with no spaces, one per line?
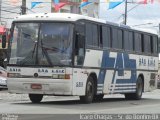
{"x":65,"y":54}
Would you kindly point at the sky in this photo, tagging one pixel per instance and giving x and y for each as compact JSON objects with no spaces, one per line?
{"x":13,"y":9}
{"x":142,"y":14}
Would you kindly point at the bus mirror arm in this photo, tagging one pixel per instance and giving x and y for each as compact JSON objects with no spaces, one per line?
{"x":4,"y":41}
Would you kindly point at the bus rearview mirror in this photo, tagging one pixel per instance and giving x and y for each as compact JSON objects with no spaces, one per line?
{"x":4,"y":41}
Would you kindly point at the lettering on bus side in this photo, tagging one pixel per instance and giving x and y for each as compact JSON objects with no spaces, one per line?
{"x":58,"y":71}
{"x":79,"y":84}
{"x":42,"y":70}
{"x":52,"y":71}
{"x":15,"y":70}
{"x":147,"y":62}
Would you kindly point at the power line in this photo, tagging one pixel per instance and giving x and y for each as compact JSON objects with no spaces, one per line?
{"x":6,"y":18}
{"x":128,"y":11}
{"x":5,"y":8}
{"x":142,"y":24}
{"x":23,"y":7}
{"x":9,"y":11}
{"x":0,"y":9}
{"x":7,"y":4}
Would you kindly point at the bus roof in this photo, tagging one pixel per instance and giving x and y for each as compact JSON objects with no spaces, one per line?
{"x":69,"y":17}
{"x":56,"y":17}
{"x":145,"y":30}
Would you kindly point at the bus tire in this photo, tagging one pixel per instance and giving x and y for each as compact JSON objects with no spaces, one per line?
{"x":89,"y":93}
{"x":139,"y":89}
{"x":98,"y":97}
{"x":35,"y":98}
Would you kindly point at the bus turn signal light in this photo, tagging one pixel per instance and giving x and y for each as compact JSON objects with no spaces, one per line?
{"x":64,"y":76}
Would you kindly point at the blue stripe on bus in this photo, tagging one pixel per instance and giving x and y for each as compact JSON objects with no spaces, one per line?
{"x":121,"y":62}
{"x":106,"y":63}
{"x":123,"y":85}
{"x":123,"y":92}
{"x":102,"y":73}
{"x":128,"y":64}
{"x":119,"y":66}
{"x":123,"y":89}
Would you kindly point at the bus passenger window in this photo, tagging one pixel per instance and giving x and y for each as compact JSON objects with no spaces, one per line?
{"x":138,"y":42}
{"x":79,"y":51}
{"x":79,"y":43}
{"x":128,"y":40}
{"x":155,"y":44}
{"x":92,"y":39}
{"x":147,"y":44}
{"x":106,"y":37}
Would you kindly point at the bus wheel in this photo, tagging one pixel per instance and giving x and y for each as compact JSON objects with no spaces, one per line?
{"x":89,"y":94}
{"x":139,"y":89}
{"x":35,"y":98}
{"x":98,"y":97}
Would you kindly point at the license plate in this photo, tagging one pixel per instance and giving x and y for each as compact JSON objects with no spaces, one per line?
{"x":36,"y":86}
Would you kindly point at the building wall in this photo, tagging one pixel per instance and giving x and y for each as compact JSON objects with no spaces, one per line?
{"x":71,"y":7}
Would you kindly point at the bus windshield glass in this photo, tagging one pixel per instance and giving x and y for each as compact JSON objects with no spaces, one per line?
{"x":47,"y":44}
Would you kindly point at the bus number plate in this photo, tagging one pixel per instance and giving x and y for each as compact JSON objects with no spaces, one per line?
{"x":36,"y":86}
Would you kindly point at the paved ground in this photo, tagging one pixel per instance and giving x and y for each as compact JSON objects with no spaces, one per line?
{"x":20,"y":104}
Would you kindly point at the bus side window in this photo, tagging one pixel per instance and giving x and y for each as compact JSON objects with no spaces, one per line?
{"x":79,"y":45}
{"x":155,"y":45}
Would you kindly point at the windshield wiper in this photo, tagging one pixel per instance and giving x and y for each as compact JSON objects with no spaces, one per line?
{"x":35,"y":46}
{"x":29,"y":59}
{"x":45,"y":49}
{"x":46,"y":55}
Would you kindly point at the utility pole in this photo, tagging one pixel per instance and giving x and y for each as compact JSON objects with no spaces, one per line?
{"x":23,"y":7}
{"x":159,"y":40}
{"x":125,"y":14}
{"x":52,"y":9}
{"x":0,"y":12}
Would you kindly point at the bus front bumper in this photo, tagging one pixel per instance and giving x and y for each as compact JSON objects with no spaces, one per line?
{"x":48,"y":87}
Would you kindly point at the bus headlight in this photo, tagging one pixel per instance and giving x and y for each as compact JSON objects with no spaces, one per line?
{"x":64,"y":76}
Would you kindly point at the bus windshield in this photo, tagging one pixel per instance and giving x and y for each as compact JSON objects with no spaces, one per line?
{"x":46,"y":44}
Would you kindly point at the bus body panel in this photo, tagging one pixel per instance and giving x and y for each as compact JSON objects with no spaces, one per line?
{"x":110,"y":80}
{"x":53,"y":87}
{"x":80,"y":76}
{"x":118,"y":72}
{"x":23,"y":82}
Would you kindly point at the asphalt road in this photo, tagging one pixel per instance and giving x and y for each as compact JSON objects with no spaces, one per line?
{"x":112,"y":104}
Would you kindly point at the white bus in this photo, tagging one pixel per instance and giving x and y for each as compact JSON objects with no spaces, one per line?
{"x":74,"y":55}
